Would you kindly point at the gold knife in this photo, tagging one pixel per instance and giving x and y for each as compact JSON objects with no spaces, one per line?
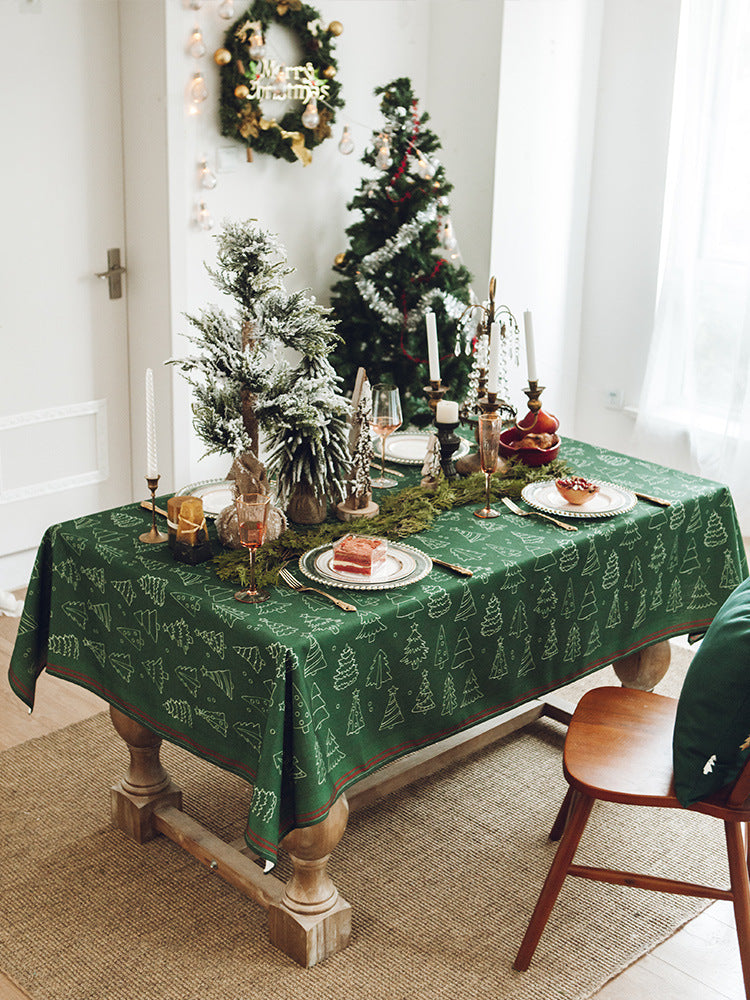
{"x":388,"y":472}
{"x":461,"y":570}
{"x":657,"y":500}
{"x":146,"y":504}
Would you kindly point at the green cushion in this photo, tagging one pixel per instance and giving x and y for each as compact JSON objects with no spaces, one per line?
{"x":713,"y":713}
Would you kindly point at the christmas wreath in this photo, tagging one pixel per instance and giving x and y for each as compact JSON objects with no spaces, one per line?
{"x":249,"y":75}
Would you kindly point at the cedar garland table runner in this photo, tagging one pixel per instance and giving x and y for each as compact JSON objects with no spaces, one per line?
{"x":303,"y":700}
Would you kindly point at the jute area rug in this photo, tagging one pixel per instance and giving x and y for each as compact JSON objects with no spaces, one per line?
{"x":442,"y":878}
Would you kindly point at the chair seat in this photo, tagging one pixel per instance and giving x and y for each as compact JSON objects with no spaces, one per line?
{"x":619,"y":748}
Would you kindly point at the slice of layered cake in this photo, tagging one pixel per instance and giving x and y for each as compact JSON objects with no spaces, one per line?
{"x":357,"y":554}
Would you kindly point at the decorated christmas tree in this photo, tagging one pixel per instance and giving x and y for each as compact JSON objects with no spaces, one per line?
{"x":403,"y":262}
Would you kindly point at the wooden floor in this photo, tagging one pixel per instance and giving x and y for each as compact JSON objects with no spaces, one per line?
{"x":699,"y":962}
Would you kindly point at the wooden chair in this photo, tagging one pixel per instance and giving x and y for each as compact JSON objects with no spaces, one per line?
{"x":619,"y":748}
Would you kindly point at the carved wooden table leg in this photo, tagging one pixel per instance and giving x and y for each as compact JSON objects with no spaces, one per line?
{"x":146,"y":784}
{"x":645,"y":668}
{"x":312,"y":921}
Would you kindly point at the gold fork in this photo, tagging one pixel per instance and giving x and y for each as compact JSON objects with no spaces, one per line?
{"x":290,"y":581}
{"x":535,"y":513}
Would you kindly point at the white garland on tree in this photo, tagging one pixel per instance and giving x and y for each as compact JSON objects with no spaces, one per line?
{"x":385,"y":306}
{"x":374,"y":261}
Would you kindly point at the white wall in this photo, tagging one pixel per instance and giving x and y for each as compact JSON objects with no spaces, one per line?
{"x":634,"y":104}
{"x":577,"y":191}
{"x":548,"y":92}
{"x":453,"y":64}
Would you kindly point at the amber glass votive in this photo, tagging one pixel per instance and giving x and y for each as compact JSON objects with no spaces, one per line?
{"x":189,"y":520}
{"x":173,"y":514}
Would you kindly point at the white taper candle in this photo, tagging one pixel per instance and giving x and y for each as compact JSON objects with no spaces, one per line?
{"x":530,"y":352}
{"x":152,"y":464}
{"x":493,"y":372}
{"x":432,"y":347}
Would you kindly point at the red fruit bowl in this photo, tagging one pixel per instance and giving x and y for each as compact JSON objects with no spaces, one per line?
{"x":511,"y":447}
{"x":576,"y":490}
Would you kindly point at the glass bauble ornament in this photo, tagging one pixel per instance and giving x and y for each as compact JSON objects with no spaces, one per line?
{"x":280,"y":84}
{"x":310,"y":117}
{"x":256,"y":46}
{"x":198,"y":91}
{"x":383,"y":157}
{"x":425,"y":169}
{"x":205,"y":221}
{"x":207,"y":176}
{"x":196,"y":45}
{"x":346,"y":145}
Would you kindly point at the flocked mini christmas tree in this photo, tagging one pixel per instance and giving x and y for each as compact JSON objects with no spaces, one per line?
{"x":403,"y":262}
{"x":242,"y":383}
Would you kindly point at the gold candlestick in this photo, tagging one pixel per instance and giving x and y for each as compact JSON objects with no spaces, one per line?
{"x":488,"y":403}
{"x":154,"y":535}
{"x":434,"y":392}
{"x":534,"y":392}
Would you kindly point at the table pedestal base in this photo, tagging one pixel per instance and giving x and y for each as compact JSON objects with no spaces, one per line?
{"x":146,"y":786}
{"x":308,"y":919}
{"x":312,"y":921}
{"x":645,"y":668}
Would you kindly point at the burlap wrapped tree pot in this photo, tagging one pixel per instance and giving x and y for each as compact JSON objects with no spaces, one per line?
{"x":305,"y":506}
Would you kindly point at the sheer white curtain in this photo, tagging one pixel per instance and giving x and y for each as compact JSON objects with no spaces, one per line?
{"x":697,"y":372}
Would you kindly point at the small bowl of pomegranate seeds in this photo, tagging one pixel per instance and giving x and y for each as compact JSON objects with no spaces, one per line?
{"x":576,"y":489}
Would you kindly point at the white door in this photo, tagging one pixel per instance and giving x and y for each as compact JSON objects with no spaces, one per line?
{"x":64,"y":428}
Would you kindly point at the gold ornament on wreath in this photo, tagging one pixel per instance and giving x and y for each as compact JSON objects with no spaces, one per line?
{"x":250,"y":75}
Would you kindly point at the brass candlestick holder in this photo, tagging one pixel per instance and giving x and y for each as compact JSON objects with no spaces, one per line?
{"x":154,"y":535}
{"x":488,"y":403}
{"x":434,"y":393}
{"x":534,"y":392}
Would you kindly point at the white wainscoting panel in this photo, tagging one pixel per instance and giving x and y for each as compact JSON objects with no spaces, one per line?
{"x":58,"y":448}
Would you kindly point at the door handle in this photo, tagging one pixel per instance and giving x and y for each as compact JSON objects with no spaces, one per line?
{"x":114,"y":273}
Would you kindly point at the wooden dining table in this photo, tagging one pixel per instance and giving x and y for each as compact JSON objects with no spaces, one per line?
{"x":317,"y":708}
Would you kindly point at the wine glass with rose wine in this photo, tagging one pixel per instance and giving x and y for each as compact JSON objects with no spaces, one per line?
{"x":252,"y":518}
{"x":490,"y":426}
{"x":384,"y":420}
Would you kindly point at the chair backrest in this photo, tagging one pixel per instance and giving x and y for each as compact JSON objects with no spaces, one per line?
{"x":741,"y":790}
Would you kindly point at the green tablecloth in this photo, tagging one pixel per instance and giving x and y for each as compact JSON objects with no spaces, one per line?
{"x":302,"y":699}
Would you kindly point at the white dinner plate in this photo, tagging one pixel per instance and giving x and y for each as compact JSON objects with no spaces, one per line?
{"x":403,"y":564}
{"x":410,"y":448}
{"x":607,"y":502}
{"x":216,"y":494}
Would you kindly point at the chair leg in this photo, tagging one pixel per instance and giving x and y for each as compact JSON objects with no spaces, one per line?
{"x":738,"y":876}
{"x":580,"y":811}
{"x":561,"y":819}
